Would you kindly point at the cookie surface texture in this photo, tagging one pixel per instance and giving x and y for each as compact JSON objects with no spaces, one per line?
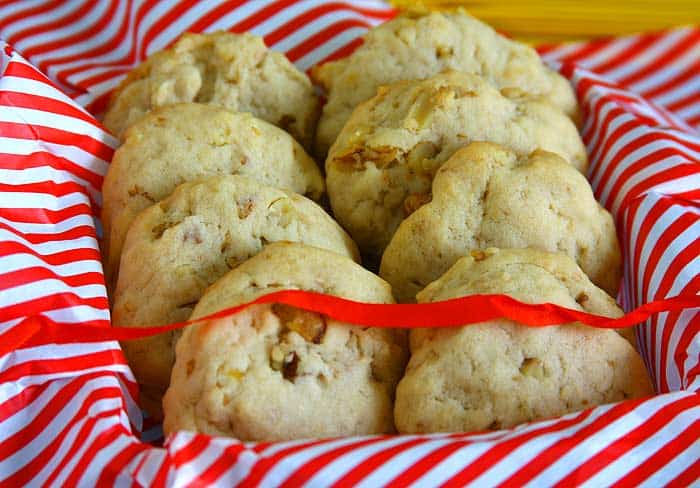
{"x":409,"y":48}
{"x":177,"y":248}
{"x":487,"y":196}
{"x":498,"y":374}
{"x":188,"y":142}
{"x":381,"y":166}
{"x":274,"y":372}
{"x":230,"y":70}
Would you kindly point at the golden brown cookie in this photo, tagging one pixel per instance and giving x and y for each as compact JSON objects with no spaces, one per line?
{"x":382,"y":165}
{"x":274,"y":372}
{"x":487,"y":196}
{"x":188,"y":142}
{"x":230,"y":70}
{"x":177,"y":248}
{"x":420,"y":46}
{"x":499,"y":373}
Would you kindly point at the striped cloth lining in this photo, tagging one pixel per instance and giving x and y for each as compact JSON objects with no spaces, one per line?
{"x":67,"y":411}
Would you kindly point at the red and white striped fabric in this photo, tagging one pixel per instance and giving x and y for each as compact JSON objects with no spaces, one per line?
{"x":67,"y":409}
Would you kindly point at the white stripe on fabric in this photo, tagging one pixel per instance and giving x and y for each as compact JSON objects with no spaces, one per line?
{"x":641,"y":452}
{"x":327,"y":48}
{"x":92,"y":12}
{"x":589,"y":447}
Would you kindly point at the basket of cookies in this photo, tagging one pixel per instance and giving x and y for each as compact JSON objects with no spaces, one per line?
{"x":315,"y":243}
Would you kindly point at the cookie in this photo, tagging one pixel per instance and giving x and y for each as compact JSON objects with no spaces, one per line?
{"x":417,"y":47}
{"x":275,"y":372}
{"x":381,"y":166}
{"x":487,"y":196}
{"x":498,"y":374}
{"x":188,"y":142}
{"x":230,"y":70}
{"x":180,"y":246}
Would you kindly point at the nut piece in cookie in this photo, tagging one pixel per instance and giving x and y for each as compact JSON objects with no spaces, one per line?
{"x":499,"y":373}
{"x":394,"y":143}
{"x":274,"y":372}
{"x":177,"y":248}
{"x":236,"y":71}
{"x":188,"y":142}
{"x":418,"y":47}
{"x":487,"y":196}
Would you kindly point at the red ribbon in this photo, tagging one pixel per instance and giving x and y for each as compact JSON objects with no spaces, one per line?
{"x":472,"y":309}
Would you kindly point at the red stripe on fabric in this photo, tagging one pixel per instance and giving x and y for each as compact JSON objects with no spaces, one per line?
{"x":49,"y":23}
{"x":193,"y":449}
{"x":604,"y":143}
{"x":44,"y":416}
{"x":662,"y":242}
{"x":127,"y":59}
{"x":77,"y":232}
{"x":682,"y":103}
{"x":20,"y":14}
{"x":8,"y":248}
{"x":38,"y":463}
{"x":584,"y":51}
{"x":46,"y":216}
{"x":630,"y":52}
{"x":663,"y":59}
{"x":653,"y":183}
{"x":557,"y":450}
{"x":23,"y":70}
{"x":503,"y":448}
{"x":46,"y":104}
{"x":105,"y":75}
{"x":344,"y":51}
{"x":630,"y":440}
{"x":104,"y":47}
{"x":116,"y":465}
{"x":47,"y":303}
{"x":687,"y":74}
{"x":178,"y":9}
{"x":313,"y":466}
{"x":54,"y":366}
{"x":688,"y":477}
{"x":260,"y":16}
{"x":75,"y":38}
{"x":678,"y":262}
{"x":40,"y":159}
{"x":662,"y":457}
{"x":634,"y":168}
{"x":225,"y":461}
{"x":56,"y":136}
{"x":265,"y":464}
{"x":103,"y":439}
{"x":35,"y":273}
{"x":643,"y":231}
{"x":214,"y":14}
{"x":11,"y":406}
{"x":370,"y":464}
{"x":322,"y":36}
{"x":312,"y":14}
{"x":48,"y":187}
{"x":99,"y":104}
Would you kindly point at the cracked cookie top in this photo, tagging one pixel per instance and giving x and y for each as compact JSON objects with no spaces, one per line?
{"x":487,"y":196}
{"x":274,"y":372}
{"x":177,"y":248}
{"x":387,"y":154}
{"x":192,"y":141}
{"x":236,"y":71}
{"x":497,"y":374}
{"x":417,"y":47}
